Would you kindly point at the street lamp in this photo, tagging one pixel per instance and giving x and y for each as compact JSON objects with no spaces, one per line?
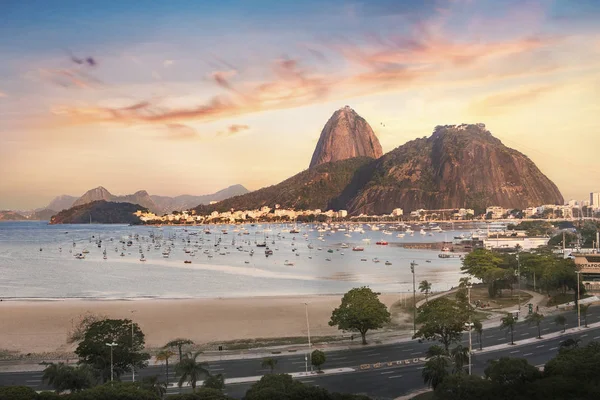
{"x":413,"y":264}
{"x":519,"y":280}
{"x":469,"y":324}
{"x":111,"y":345}
{"x":578,"y":313}
{"x":308,"y":331}
{"x":132,"y":363}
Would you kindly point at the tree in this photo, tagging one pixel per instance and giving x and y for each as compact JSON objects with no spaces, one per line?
{"x":179,"y":343}
{"x":64,"y":377}
{"x":535,"y":319}
{"x":191,"y":370}
{"x":509,"y":323}
{"x":442,"y":320}
{"x":214,"y":382}
{"x":478,"y":326}
{"x":569,"y":344}
{"x":93,"y":351}
{"x":463,"y":387}
{"x":164,"y":355}
{"x":561,"y":320}
{"x":360,"y":311}
{"x":78,"y":330}
{"x":460,"y":358}
{"x":152,"y":384}
{"x":435,"y":370}
{"x":425,"y":287}
{"x":511,"y":371}
{"x":269,"y":362}
{"x":579,"y":363}
{"x":318,"y":358}
{"x":480,"y":262}
{"x":273,"y":386}
{"x":583,"y":309}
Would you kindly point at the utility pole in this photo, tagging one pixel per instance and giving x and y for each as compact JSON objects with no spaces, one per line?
{"x":309,"y":344}
{"x":469,"y":325}
{"x":111,"y":345}
{"x":412,"y":269}
{"x":519,"y":280}
{"x":578,"y":312}
{"x":132,"y":364}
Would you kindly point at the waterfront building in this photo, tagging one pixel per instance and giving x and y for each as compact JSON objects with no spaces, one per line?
{"x":589,"y":266}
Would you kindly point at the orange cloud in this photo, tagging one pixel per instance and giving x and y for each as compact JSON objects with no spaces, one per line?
{"x":2,"y":94}
{"x":503,"y":101}
{"x":181,"y":132}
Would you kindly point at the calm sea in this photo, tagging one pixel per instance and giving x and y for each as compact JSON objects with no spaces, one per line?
{"x":37,"y":261}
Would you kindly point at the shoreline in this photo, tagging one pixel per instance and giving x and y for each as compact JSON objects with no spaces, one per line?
{"x":42,"y":327}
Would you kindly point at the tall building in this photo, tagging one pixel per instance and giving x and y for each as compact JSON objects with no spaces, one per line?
{"x":595,"y":200}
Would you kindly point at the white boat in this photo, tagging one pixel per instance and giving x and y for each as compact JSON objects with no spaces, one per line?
{"x":344,"y":246}
{"x":288,"y":263}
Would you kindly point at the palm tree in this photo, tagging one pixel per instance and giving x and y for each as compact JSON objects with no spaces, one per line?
{"x":54,"y":376}
{"x":425,"y":287}
{"x":191,"y":370}
{"x":509,"y":323}
{"x":164,"y":355}
{"x":179,"y":343}
{"x":152,"y":384}
{"x":435,"y":351}
{"x":583,"y":309}
{"x":269,"y":363}
{"x":460,"y":357}
{"x":64,"y":377}
{"x":561,"y":320}
{"x":536,"y":319}
{"x":479,"y":329}
{"x":435,"y":370}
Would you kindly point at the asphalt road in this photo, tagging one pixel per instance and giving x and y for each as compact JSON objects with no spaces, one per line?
{"x":383,"y":382}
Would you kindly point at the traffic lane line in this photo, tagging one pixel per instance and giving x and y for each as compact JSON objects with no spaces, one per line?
{"x":394,"y":376}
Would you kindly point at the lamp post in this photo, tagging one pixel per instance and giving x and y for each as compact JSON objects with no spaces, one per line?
{"x":111,"y":345}
{"x":308,"y":332}
{"x":519,"y":280}
{"x":578,"y":312}
{"x":469,"y":325}
{"x":413,"y":264}
{"x":132,"y":363}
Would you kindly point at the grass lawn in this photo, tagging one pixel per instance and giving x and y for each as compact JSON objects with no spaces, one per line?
{"x":480,"y":292}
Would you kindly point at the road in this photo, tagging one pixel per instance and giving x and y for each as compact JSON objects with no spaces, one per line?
{"x":381,"y":382}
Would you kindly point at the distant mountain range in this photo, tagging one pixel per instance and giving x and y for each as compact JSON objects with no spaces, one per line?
{"x":457,"y":166}
{"x":157,"y":204}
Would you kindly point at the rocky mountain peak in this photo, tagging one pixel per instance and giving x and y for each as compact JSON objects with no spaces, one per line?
{"x":345,"y":135}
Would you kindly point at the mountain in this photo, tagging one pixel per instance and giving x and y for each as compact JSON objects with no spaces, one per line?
{"x":345,"y":135}
{"x":313,"y":188}
{"x":11,"y":216}
{"x":185,"y":202}
{"x":61,"y":202}
{"x":457,"y":166}
{"x":43,"y":215}
{"x":140,"y":197}
{"x":100,"y":211}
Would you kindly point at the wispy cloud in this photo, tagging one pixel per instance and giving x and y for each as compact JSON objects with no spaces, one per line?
{"x":504,"y":101}
{"x":180,"y":132}
{"x":3,"y":94}
{"x":233,"y":129}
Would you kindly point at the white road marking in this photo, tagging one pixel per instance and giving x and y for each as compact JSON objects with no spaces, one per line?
{"x":217,"y":369}
{"x":584,"y":335}
{"x":539,"y":347}
{"x":387,"y":372}
{"x":545,"y":329}
{"x":554,"y":348}
{"x":338,"y":358}
{"x":373,"y":354}
{"x":33,"y":381}
{"x":394,"y":376}
{"x":515,"y":351}
{"x":528,"y":354}
{"x":597,"y":337}
{"x":418,"y":352}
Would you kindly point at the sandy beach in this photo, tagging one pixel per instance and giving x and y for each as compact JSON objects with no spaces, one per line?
{"x":42,"y":326}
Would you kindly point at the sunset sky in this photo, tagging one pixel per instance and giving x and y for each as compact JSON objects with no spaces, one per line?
{"x":188,"y":97}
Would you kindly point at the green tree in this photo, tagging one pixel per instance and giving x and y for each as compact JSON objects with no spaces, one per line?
{"x":93,"y":351}
{"x":478,"y":327}
{"x":179,"y":343}
{"x":435,"y":370}
{"x":269,"y":362}
{"x":273,"y":386}
{"x":190,"y":370}
{"x":17,"y":393}
{"x":152,"y":384}
{"x":165,"y":355}
{"x":360,"y":311}
{"x":464,"y":387}
{"x":425,"y":287}
{"x":509,"y":323}
{"x":78,"y":330}
{"x":460,"y":358}
{"x":579,"y":363}
{"x":535,"y":319}
{"x":442,"y":320}
{"x":318,"y":358}
{"x":214,"y":382}
{"x":511,"y":371}
{"x":480,"y":263}
{"x":561,"y":320}
{"x":583,"y":309}
{"x":67,"y":378}
{"x":569,"y":344}
{"x":116,"y":391}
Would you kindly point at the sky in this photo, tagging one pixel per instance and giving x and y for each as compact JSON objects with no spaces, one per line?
{"x":188,"y":97}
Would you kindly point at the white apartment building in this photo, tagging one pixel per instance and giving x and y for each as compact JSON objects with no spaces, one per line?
{"x":397,"y":212}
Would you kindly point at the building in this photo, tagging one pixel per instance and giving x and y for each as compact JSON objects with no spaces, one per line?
{"x":496,"y":212}
{"x":342,"y":214}
{"x":397,"y":212}
{"x":595,"y":200}
{"x":510,"y":242}
{"x":589,"y":267}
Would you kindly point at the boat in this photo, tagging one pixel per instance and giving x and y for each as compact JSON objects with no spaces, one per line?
{"x":382,"y":243}
{"x":294,"y":231}
{"x":80,"y":256}
{"x":142,"y":258}
{"x":357,"y":248}
{"x":375,"y":260}
{"x":290,"y":264}
{"x":388,"y":263}
{"x":363,"y":259}
{"x":328,"y":259}
{"x":330,"y":251}
{"x":263,"y":244}
{"x":187,"y":262}
{"x":122,"y":254}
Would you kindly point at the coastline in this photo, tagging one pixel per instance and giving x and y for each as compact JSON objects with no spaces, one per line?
{"x":42,"y":326}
